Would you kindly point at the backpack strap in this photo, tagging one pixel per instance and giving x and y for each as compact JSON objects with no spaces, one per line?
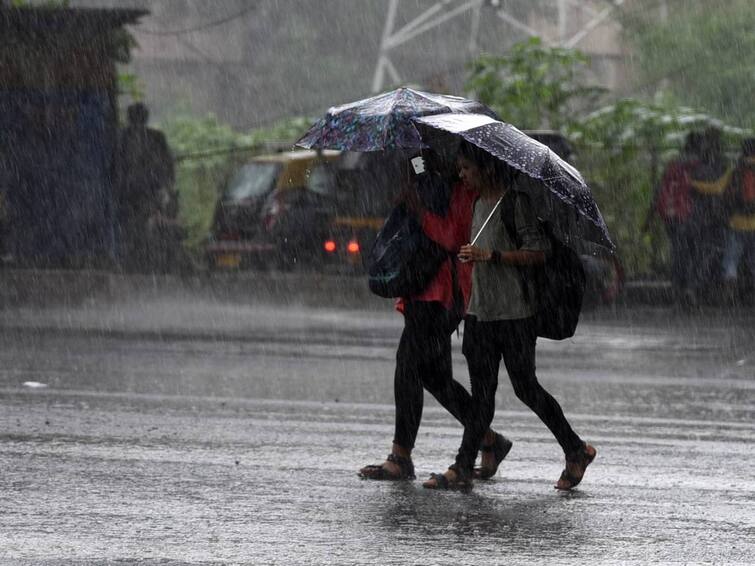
{"x":508,"y":217}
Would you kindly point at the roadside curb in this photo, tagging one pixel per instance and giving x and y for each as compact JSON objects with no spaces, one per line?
{"x":35,"y":287}
{"x":45,"y":287}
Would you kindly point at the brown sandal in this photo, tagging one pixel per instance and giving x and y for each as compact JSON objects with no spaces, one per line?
{"x":462,"y":481}
{"x":582,"y":459}
{"x":500,"y":449}
{"x":378,"y":472}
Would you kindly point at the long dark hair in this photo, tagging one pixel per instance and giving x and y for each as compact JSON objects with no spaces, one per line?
{"x":433,"y":187}
{"x":496,"y":171}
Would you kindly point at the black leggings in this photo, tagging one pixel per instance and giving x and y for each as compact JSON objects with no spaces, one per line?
{"x":514,"y":340}
{"x":423,"y":360}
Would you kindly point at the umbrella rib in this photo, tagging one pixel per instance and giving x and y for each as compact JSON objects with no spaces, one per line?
{"x":486,"y":221}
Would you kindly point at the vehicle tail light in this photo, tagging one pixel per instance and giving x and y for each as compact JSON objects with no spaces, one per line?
{"x":329,"y":246}
{"x":353,"y":247}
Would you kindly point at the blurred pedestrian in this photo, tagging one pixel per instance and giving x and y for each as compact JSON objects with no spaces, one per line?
{"x":740,"y":238}
{"x":709,"y":177}
{"x":673,"y":204}
{"x":144,"y":176}
{"x":423,"y":359}
{"x":500,"y":319}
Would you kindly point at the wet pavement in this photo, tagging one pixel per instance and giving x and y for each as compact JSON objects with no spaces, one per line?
{"x":172,"y":430}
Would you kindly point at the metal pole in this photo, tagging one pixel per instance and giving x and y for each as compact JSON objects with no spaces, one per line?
{"x":475,"y":30}
{"x":377,"y":79}
{"x":561,"y":21}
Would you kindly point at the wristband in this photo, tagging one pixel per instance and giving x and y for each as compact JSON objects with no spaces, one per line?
{"x":496,"y":257}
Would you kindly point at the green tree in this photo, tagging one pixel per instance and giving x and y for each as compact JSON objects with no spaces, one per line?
{"x":701,"y":52}
{"x":533,"y":86}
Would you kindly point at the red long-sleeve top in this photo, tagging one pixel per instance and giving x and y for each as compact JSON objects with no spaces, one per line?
{"x":450,"y":232}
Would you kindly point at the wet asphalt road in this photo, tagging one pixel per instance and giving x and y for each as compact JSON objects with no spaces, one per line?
{"x":182,"y":430}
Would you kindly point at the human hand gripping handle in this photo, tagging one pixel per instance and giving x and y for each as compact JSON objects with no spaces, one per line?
{"x":470,"y":252}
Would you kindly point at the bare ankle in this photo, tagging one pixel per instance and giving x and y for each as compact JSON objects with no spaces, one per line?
{"x":489,"y":438}
{"x":399,"y":450}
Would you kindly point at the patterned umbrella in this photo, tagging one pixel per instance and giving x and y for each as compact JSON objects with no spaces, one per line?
{"x":560,"y":195}
{"x":384,"y":122}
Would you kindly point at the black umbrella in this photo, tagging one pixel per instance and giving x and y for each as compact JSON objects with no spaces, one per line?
{"x":384,"y":122}
{"x":560,"y":195}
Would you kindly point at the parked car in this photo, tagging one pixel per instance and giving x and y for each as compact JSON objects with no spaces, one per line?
{"x":365,"y":188}
{"x":273,"y":212}
{"x":308,"y":209}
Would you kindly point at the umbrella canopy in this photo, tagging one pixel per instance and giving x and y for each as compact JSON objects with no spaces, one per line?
{"x":560,"y":195}
{"x":384,"y":122}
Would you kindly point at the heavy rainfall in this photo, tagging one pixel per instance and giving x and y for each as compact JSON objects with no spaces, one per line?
{"x":377,"y":282}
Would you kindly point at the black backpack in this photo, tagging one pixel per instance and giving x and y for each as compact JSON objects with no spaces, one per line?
{"x":403,"y":261}
{"x":559,"y":283}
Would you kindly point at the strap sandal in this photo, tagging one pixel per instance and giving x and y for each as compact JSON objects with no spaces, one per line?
{"x":378,"y":472}
{"x":440,"y":482}
{"x":579,"y":461}
{"x":500,"y":449}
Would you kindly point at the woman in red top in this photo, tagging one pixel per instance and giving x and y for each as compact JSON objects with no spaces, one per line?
{"x":423,"y":359}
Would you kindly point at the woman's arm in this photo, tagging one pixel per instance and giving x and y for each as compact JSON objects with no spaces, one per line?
{"x":517,"y":257}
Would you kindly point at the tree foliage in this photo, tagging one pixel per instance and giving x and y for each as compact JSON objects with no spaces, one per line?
{"x":701,"y":53}
{"x":533,"y":86}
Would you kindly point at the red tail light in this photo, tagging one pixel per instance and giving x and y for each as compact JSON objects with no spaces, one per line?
{"x":329,"y":246}
{"x":353,"y":247}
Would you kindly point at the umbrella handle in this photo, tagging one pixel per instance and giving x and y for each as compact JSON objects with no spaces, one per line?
{"x":486,"y":221}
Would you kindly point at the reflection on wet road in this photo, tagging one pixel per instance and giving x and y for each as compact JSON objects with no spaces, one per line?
{"x":232,"y":435}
